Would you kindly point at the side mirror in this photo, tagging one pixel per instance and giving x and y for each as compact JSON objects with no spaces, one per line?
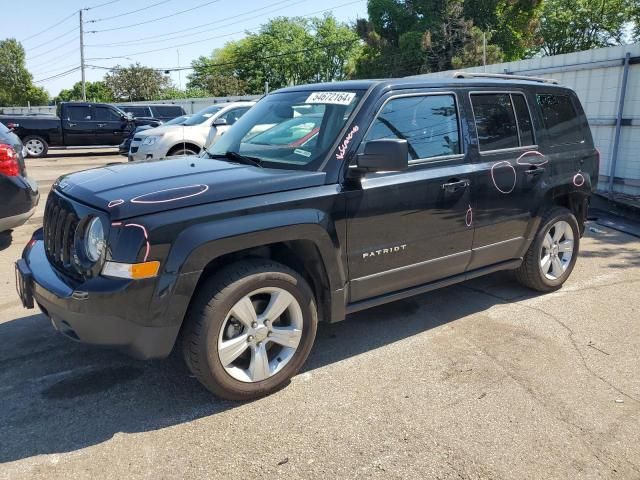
{"x":385,"y":155}
{"x":220,"y":122}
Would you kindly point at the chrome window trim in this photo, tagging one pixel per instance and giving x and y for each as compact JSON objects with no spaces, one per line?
{"x":510,"y":93}
{"x":427,"y":160}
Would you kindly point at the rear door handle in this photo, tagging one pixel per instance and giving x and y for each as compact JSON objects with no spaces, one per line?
{"x":455,"y":186}
{"x":101,"y":125}
{"x":72,"y":124}
{"x":533,"y":171}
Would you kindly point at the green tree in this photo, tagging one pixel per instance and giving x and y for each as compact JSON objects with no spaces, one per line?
{"x":286,"y":51}
{"x":16,"y":83}
{"x":136,"y":83}
{"x":473,"y":51}
{"x":513,"y":24}
{"x":96,"y":92}
{"x":573,"y":25}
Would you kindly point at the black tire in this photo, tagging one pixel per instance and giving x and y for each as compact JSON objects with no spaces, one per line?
{"x":208,"y":313}
{"x":182,"y":151}
{"x":33,"y":153}
{"x":530,"y":272}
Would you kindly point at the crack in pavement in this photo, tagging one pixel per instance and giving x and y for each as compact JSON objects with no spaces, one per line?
{"x":570,"y":336}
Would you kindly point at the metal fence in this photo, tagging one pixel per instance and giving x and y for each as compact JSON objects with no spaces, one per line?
{"x":611,"y":103}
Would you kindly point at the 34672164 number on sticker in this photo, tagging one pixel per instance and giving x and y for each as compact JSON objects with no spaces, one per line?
{"x":334,"y":98}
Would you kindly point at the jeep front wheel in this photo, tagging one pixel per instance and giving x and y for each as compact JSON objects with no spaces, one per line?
{"x":250,"y":329}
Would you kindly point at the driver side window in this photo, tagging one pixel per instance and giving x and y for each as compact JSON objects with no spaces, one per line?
{"x":429,"y":123}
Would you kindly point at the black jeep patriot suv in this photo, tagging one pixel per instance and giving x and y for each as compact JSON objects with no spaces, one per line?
{"x":322,"y":200}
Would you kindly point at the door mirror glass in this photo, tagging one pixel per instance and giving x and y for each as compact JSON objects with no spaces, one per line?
{"x":386,"y":155}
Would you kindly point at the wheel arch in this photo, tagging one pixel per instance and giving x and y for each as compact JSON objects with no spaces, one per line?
{"x":186,"y":144}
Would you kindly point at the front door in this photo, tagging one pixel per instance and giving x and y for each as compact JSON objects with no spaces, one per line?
{"x":79,"y":128}
{"x":111,"y":128}
{"x":509,"y":176}
{"x":409,"y":228}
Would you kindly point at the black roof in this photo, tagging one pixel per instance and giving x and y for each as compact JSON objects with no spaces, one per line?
{"x":417,"y":82}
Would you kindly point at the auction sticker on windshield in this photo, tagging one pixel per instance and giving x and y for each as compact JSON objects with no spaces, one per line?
{"x":334,"y":98}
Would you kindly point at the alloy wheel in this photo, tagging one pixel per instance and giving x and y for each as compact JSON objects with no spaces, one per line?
{"x":34,"y":147}
{"x":260,"y":334}
{"x":557,"y":250}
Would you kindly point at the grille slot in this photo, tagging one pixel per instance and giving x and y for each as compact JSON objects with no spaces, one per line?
{"x":59,"y":224}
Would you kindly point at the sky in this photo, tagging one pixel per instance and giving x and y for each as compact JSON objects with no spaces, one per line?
{"x":156,"y":33}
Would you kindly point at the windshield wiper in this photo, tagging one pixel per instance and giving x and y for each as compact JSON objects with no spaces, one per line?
{"x":238,"y":158}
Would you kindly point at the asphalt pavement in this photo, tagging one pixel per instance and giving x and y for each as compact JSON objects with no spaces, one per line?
{"x":480,"y":380}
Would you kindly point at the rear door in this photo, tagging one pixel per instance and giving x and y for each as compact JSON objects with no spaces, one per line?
{"x":78,"y":125}
{"x":510,"y":172}
{"x":111,"y":129}
{"x":412,"y":227}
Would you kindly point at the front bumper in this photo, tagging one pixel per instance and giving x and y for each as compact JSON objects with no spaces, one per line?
{"x":101,"y":312}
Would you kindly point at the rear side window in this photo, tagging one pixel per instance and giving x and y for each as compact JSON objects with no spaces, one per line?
{"x":428,"y":123}
{"x":495,"y":121}
{"x":560,"y":119}
{"x":167,"y":111}
{"x":104,"y":114}
{"x":78,"y":113}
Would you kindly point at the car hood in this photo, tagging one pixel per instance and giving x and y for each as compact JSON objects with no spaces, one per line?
{"x":133,"y":189}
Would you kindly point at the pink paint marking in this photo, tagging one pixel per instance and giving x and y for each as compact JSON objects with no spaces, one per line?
{"x":503,"y":163}
{"x":469,"y":216}
{"x":342,"y":149}
{"x":203,"y":188}
{"x":115,"y":203}
{"x":578,"y":179}
{"x":519,"y":161}
{"x":144,"y":230}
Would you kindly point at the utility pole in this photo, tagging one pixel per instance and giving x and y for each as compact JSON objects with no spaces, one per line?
{"x":84,"y":88}
{"x":484,"y":51}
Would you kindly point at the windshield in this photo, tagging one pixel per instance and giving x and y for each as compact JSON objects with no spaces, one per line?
{"x":202,"y":115}
{"x":292,"y":130}
{"x":177,"y":120}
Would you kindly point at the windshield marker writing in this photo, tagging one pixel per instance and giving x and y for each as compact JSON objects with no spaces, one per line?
{"x":342,"y":149}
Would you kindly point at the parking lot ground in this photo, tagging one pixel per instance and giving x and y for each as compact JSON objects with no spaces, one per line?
{"x":480,"y":380}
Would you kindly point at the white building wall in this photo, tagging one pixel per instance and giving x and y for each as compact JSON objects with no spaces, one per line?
{"x":596,"y":76}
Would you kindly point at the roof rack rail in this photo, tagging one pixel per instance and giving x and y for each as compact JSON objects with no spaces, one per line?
{"x":504,"y":76}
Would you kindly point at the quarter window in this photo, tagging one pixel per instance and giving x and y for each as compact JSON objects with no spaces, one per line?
{"x":428,"y":123}
{"x":560,"y":119}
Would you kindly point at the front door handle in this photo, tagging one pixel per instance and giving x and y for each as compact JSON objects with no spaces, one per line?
{"x":456,"y":185}
{"x":101,"y":125}
{"x":72,"y":124}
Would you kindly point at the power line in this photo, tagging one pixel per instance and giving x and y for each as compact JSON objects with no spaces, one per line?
{"x":58,"y":57}
{"x":53,"y":49}
{"x":138,"y":41}
{"x":128,"y":13}
{"x":59,"y":75}
{"x":255,"y":59}
{"x":155,"y":19}
{"x":47,"y":71}
{"x":48,"y":42}
{"x":48,"y":28}
{"x":101,"y":5}
{"x":204,"y":39}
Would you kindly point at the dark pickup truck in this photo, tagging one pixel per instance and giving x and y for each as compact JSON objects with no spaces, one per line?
{"x":77,"y":125}
{"x":403,"y":186}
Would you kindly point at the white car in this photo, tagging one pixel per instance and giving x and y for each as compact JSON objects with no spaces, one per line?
{"x":188,"y":138}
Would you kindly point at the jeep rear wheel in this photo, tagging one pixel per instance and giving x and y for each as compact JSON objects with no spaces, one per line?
{"x":250,"y":329}
{"x":553,"y":253}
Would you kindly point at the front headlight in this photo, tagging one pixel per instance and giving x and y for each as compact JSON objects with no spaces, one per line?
{"x":151,"y":139}
{"x":94,"y":240}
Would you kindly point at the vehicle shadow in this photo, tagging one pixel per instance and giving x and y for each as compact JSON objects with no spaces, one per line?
{"x":84,"y":153}
{"x":6,"y":239}
{"x":60,"y":396}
